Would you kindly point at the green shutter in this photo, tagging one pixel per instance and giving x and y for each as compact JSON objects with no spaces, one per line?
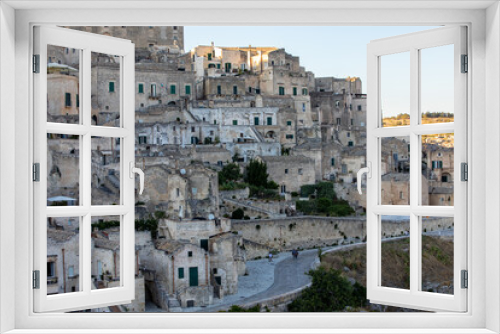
{"x":188,"y":90}
{"x":67,"y":100}
{"x":289,"y":123}
{"x":141,"y":88}
{"x":209,"y":56}
{"x":193,"y":276}
{"x":269,"y":121}
{"x":235,"y":122}
{"x":218,"y":66}
{"x":111,"y":86}
{"x":204,"y":244}
{"x":304,"y":91}
{"x":181,"y":273}
{"x":294,"y":90}
{"x":172,"y":89}
{"x":256,"y":121}
{"x":77,"y":101}
{"x":219,"y":90}
{"x":235,"y":90}
{"x":282,"y":90}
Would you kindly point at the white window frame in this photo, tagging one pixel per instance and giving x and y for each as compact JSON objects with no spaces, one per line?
{"x":87,"y":43}
{"x":411,"y":44}
{"x":16,"y":20}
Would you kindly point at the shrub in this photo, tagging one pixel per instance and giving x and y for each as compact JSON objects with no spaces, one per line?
{"x":237,"y":214}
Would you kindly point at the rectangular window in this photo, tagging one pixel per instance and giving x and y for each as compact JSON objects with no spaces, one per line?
{"x":188,"y":90}
{"x":218,"y":66}
{"x":193,"y":276}
{"x":219,"y":90}
{"x":153,"y":90}
{"x":303,"y":107}
{"x":194,"y":191}
{"x":172,"y":89}
{"x":67,"y":100}
{"x":235,"y":122}
{"x":190,"y":254}
{"x":209,"y":56}
{"x":177,"y":192}
{"x":295,"y":91}
{"x":339,"y":121}
{"x":344,"y":169}
{"x":235,"y":90}
{"x":256,"y":121}
{"x":289,"y":123}
{"x":111,"y":86}
{"x":348,"y":134}
{"x":228,"y":67}
{"x":304,"y":91}
{"x":286,"y":171}
{"x":180,"y":273}
{"x":141,"y":88}
{"x":332,"y":161}
{"x":359,"y":107}
{"x":71,"y":271}
{"x":351,"y":144}
{"x":204,"y":244}
{"x":300,"y":171}
{"x":269,"y":121}
{"x":352,"y":121}
{"x":77,"y":100}
{"x":281,"y":90}
{"x":289,"y":136}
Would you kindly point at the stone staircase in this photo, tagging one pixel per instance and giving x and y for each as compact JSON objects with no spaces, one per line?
{"x":173,"y":304}
{"x":242,"y":204}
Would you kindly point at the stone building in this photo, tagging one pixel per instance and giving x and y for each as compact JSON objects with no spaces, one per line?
{"x":290,"y":172}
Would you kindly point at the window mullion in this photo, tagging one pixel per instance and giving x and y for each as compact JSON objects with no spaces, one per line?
{"x":415,"y":186}
{"x":86,"y":172}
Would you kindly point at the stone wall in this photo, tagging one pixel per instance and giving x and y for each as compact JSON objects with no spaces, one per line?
{"x":307,"y":232}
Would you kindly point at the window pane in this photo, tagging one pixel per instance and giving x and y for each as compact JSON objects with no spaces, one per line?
{"x":395,"y":89}
{"x":63,"y":170}
{"x":105,"y":252}
{"x":106,"y":171}
{"x":437,"y":254}
{"x":437,"y":84}
{"x":438,"y":169}
{"x":106,"y":90}
{"x":395,"y":266}
{"x":395,"y":171}
{"x":63,"y":261}
{"x":63,"y":85}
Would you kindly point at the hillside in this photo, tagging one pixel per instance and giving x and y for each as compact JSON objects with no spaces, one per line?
{"x":437,"y":264}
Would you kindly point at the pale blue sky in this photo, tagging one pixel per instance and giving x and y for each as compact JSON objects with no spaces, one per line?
{"x":335,"y":51}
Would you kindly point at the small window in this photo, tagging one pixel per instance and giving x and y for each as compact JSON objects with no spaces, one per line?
{"x":339,"y":121}
{"x":219,"y":90}
{"x":344,"y":169}
{"x":178,"y":192}
{"x":295,"y":91}
{"x":300,"y":171}
{"x":188,"y":90}
{"x":359,"y":107}
{"x":172,"y":89}
{"x":289,"y":136}
{"x":281,"y":90}
{"x":269,"y":121}
{"x":190,"y":254}
{"x":351,"y":144}
{"x":401,"y":195}
{"x":332,"y":161}
{"x":289,"y":123}
{"x":204,"y":244}
{"x":71,"y":271}
{"x":180,"y":273}
{"x":286,"y":171}
{"x":153,"y":90}
{"x":67,"y":100}
{"x":193,"y":129}
{"x":209,"y":56}
{"x":141,"y":88}
{"x":303,"y":107}
{"x":235,"y":122}
{"x":235,"y":90}
{"x":111,"y":86}
{"x":352,"y":121}
{"x":348,"y":134}
{"x":215,"y":122}
{"x":194,"y":191}
{"x":218,"y":66}
{"x":256,"y":121}
{"x":304,"y":91}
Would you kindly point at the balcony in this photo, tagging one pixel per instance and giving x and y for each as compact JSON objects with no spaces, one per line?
{"x":154,"y":96}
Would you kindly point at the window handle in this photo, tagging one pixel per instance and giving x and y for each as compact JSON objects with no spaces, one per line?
{"x":368,"y":171}
{"x":134,"y":170}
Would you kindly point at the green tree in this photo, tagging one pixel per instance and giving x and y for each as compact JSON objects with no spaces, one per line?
{"x":256,"y":174}
{"x":230,"y":172}
{"x":329,"y":292}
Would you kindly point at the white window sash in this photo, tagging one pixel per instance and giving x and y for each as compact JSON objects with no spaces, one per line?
{"x":86,"y":297}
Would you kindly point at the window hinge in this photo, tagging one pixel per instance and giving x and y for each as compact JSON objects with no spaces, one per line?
{"x":465,"y":279}
{"x":36,"y":172}
{"x":36,"y":279}
{"x":36,"y":63}
{"x":464,"y":171}
{"x":465,"y":64}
